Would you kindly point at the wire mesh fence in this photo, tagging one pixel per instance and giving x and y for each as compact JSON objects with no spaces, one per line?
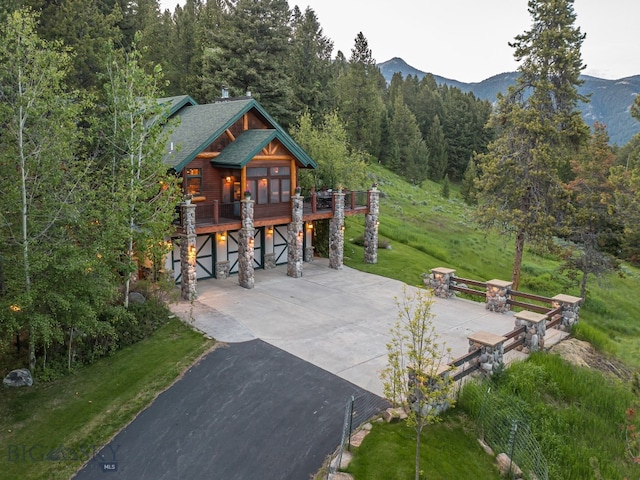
{"x":505,"y":427}
{"x":358,"y":409}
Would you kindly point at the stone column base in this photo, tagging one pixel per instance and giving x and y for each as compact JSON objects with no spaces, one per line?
{"x":222,"y":269}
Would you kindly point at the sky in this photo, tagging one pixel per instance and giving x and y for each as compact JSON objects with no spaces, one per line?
{"x":467,"y":40}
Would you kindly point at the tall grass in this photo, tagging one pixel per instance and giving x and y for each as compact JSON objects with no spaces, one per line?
{"x":576,"y":414}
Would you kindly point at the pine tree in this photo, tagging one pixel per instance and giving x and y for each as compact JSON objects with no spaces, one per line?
{"x":410,"y":159}
{"x":249,"y":51}
{"x":310,"y":64}
{"x":437,"y":146}
{"x":467,"y":187}
{"x":593,"y":229}
{"x":538,"y":124}
{"x":360,"y":98}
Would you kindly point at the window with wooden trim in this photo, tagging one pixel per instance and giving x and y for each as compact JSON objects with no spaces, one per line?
{"x":269,"y":184}
{"x":193,"y":177}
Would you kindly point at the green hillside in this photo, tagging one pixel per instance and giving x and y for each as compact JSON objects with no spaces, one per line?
{"x":579,"y":416}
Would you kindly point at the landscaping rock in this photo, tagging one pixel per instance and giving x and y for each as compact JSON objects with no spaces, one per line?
{"x":488,"y":450}
{"x":345,"y":460}
{"x":394,"y":414}
{"x":358,"y":437}
{"x":340,"y":476}
{"x":507,"y":467}
{"x":18,"y":378}
{"x":135,"y":297}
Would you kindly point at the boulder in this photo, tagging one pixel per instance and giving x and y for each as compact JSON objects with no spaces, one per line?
{"x":394,"y":414}
{"x":507,"y":467}
{"x":18,"y":378}
{"x":135,"y":297}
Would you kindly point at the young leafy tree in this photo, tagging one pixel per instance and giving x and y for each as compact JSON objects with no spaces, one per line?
{"x":41,"y":188}
{"x":417,"y":376}
{"x":520,"y":190}
{"x":594,"y":229}
{"x":327,"y":145}
{"x":135,"y":179}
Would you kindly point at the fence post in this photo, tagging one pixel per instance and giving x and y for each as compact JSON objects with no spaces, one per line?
{"x":440,"y":280}
{"x":491,"y":347}
{"x":535,"y":328}
{"x":570,"y":310}
{"x":498,"y":295}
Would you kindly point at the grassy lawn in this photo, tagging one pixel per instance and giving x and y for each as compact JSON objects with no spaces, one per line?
{"x":579,"y":414}
{"x":448,"y":450}
{"x":84,"y":410}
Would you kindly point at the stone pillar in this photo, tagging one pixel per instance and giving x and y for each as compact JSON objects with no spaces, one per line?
{"x":497,"y":295}
{"x":223,"y":268}
{"x":439,"y":281}
{"x":295,"y":237}
{"x":308,"y":253}
{"x":535,"y":328}
{"x":491,"y":350}
{"x":371,"y":222}
{"x":188,"y":253}
{"x":269,"y":261}
{"x":336,"y":232}
{"x":246,"y":276}
{"x":570,"y":310}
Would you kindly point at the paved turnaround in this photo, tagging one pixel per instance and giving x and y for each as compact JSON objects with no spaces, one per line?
{"x":247,"y":411}
{"x":269,"y":404}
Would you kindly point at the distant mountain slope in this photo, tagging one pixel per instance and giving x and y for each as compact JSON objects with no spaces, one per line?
{"x":610,"y":99}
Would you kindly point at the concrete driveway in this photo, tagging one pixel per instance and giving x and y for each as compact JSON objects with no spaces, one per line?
{"x":338,"y":320}
{"x":270,"y":404}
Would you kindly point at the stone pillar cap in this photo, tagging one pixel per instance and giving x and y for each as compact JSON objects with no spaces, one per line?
{"x":499,"y":283}
{"x":487,"y":339}
{"x":531,"y":316}
{"x":562,"y":298}
{"x":443,"y":270}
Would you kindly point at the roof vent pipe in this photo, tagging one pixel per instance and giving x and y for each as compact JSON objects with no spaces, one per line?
{"x":248,"y":93}
{"x":225,"y":92}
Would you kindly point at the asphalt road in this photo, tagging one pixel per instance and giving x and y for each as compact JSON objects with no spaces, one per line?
{"x":245,"y":411}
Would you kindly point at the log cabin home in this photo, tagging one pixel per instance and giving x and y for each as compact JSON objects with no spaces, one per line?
{"x":236,"y":162}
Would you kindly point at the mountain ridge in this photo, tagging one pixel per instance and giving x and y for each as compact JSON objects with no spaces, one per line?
{"x":610,"y":99}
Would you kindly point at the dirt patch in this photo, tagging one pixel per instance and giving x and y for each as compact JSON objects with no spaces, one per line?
{"x":578,"y":352}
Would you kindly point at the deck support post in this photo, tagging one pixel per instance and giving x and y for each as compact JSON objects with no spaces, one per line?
{"x":246,"y":277}
{"x":336,"y":232}
{"x":371,"y":222}
{"x":188,"y":253}
{"x":295,"y":234}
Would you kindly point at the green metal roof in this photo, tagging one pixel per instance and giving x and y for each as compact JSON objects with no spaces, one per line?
{"x":240,"y":152}
{"x":177,"y":102}
{"x":200,"y":125}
